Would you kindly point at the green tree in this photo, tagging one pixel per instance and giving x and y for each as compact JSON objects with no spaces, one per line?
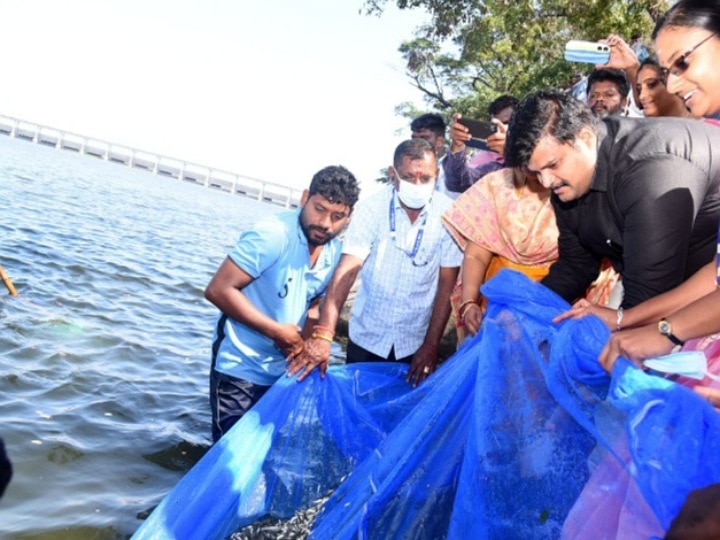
{"x":476,"y":50}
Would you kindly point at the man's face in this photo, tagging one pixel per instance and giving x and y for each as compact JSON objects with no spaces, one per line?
{"x":436,"y":141}
{"x":566,"y":169}
{"x":322,"y":220}
{"x":604,"y":99}
{"x":416,"y":171}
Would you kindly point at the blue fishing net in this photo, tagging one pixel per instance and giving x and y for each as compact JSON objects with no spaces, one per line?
{"x":519,"y":435}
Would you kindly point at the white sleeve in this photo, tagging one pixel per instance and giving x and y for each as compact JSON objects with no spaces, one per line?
{"x":361,"y":233}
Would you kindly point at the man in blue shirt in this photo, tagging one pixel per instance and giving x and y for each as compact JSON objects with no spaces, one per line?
{"x":408,"y":264}
{"x":277,"y":272}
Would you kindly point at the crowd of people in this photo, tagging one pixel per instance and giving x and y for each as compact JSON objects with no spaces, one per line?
{"x":612,"y":202}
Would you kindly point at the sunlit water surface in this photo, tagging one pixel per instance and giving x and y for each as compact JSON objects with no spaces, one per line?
{"x":104,"y":355}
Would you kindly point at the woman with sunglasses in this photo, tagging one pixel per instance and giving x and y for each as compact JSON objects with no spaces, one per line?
{"x":687,"y":40}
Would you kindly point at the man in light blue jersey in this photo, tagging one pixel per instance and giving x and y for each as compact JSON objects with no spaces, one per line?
{"x":278,"y":270}
{"x":408,"y":264}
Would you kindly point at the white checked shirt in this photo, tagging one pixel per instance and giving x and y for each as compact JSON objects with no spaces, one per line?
{"x":395,"y":298}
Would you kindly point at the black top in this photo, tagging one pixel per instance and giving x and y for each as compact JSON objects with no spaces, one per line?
{"x":652,"y":209}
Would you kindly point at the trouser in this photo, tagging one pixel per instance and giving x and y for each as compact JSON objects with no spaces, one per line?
{"x":355,"y":353}
{"x":230,"y":399}
{"x":5,"y":469}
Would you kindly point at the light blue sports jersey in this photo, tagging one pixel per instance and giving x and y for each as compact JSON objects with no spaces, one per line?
{"x":274,"y":252}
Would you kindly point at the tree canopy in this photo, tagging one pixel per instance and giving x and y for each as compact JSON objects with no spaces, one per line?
{"x":475,"y":50}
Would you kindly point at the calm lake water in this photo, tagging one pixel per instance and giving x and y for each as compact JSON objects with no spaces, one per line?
{"x":104,"y":355}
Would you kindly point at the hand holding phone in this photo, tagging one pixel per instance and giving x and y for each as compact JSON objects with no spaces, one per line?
{"x":590,"y":52}
{"x":479,"y":132}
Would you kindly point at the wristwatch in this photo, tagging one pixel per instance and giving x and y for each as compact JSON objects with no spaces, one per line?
{"x":665,"y":328}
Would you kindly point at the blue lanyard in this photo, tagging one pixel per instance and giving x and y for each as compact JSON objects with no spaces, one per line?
{"x":420,"y":233}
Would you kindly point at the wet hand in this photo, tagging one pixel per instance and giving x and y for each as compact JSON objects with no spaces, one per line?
{"x":314,"y":354}
{"x":423,"y":364}
{"x":472,"y":317}
{"x":287,"y":339}
{"x":636,"y":345}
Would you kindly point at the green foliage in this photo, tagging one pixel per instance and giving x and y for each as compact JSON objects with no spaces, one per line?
{"x":475,"y":50}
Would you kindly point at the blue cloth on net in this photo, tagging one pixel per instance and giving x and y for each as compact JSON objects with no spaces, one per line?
{"x":501,"y":442}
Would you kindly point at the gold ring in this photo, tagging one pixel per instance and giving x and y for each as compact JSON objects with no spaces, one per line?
{"x":426,"y":370}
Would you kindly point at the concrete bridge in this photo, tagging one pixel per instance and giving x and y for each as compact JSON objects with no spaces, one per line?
{"x":154,"y":163}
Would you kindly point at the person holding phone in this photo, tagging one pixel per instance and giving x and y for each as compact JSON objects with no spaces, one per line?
{"x":461,"y":172}
{"x":687,"y":39}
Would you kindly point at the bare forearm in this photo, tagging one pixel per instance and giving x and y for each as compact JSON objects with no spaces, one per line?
{"x":701,"y":318}
{"x":233,"y":303}
{"x":441,"y":306}
{"x":338,"y":292}
{"x":697,"y":286}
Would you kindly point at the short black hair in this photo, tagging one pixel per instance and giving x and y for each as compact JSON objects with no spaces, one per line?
{"x":616,"y":76}
{"x":545,"y":112}
{"x":502,"y":103}
{"x":432,"y":121}
{"x":412,"y":148}
{"x":336,"y":184}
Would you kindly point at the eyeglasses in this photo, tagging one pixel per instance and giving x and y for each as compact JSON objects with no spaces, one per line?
{"x":680,"y":65}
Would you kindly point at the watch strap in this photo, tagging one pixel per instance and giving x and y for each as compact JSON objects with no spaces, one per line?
{"x":668,"y":334}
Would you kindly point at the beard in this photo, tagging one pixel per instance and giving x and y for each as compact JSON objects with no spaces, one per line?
{"x":316,"y":236}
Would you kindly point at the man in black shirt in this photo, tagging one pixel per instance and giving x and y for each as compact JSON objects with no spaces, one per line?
{"x":641,"y":192}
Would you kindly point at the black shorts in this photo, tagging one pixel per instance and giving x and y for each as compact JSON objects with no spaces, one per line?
{"x":230,"y":399}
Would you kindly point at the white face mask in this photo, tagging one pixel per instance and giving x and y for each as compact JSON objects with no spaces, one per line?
{"x":691,"y":364}
{"x":415,"y":196}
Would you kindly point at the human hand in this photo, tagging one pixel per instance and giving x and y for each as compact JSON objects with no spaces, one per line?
{"x":472,"y":317}
{"x":314,"y":354}
{"x":496,"y":141}
{"x":459,"y":134}
{"x":636,"y":345}
{"x":287,"y":339}
{"x":583,"y":308}
{"x":711,"y":394}
{"x":621,"y":54}
{"x":423,"y":364}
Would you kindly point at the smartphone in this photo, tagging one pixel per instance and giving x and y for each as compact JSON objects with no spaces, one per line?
{"x":479,"y":131}
{"x":590,"y":52}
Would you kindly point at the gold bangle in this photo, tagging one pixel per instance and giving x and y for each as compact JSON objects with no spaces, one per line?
{"x":323,"y":328}
{"x":464,"y":307}
{"x":325,"y":337}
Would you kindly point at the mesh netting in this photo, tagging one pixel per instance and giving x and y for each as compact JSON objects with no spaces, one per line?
{"x":519,"y":435}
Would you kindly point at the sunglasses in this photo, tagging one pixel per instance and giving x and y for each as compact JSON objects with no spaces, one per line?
{"x":680,"y":65}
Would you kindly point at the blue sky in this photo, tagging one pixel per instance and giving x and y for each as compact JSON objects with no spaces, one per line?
{"x":273,"y":89}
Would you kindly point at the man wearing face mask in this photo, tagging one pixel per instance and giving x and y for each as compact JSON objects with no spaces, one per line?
{"x":408,"y":264}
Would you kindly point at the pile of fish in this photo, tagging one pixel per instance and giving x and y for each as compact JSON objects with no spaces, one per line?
{"x":295,"y":528}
